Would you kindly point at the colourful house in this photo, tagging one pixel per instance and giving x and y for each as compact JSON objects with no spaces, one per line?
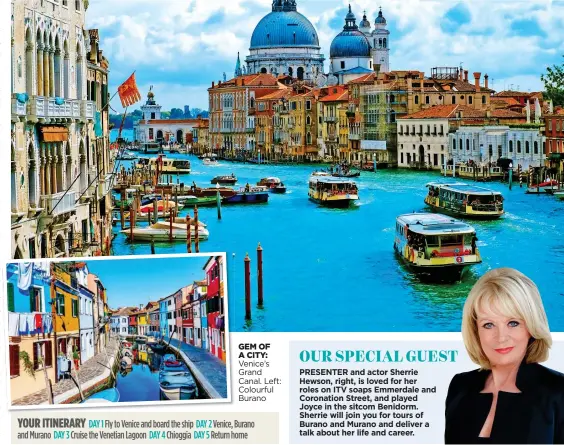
{"x":188,"y":317}
{"x":163,"y":322}
{"x":214,"y":307}
{"x":66,"y":318}
{"x":30,"y":327}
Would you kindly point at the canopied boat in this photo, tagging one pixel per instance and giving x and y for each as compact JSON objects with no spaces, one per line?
{"x":461,"y":199}
{"x":332,"y":192}
{"x":436,"y":247}
{"x":175,"y":379}
{"x":549,"y":186}
{"x":225,"y":179}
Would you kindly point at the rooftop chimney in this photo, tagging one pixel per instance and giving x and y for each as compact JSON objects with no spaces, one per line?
{"x":477,"y":81}
{"x":466,"y":75}
{"x":486,"y":81}
{"x":213,"y":83}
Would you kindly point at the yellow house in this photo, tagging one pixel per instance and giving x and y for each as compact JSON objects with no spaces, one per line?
{"x":142,"y":323}
{"x":66,"y":313}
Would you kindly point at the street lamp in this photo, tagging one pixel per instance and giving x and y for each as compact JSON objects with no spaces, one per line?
{"x":259,"y":155}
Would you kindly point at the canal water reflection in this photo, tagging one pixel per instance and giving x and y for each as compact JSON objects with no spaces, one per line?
{"x":335,"y":270}
{"x":140,"y":383}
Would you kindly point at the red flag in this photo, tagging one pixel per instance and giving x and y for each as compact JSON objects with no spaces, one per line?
{"x":128,"y":92}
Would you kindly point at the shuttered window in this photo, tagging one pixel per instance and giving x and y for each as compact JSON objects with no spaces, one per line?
{"x":36,"y":351}
{"x":14,"y":360}
{"x":11,"y":305}
{"x":48,"y":353}
{"x":42,"y":350}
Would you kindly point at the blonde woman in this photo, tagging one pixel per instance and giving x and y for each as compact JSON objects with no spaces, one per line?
{"x":511,"y":398}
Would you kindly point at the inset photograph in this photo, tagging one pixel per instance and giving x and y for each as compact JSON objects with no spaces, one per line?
{"x":115,"y":330}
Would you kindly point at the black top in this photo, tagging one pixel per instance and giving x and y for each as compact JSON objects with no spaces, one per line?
{"x":535,"y":415}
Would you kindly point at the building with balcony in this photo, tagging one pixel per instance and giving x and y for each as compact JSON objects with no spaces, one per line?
{"x":232,"y":106}
{"x":334,"y":99}
{"x":31,"y":338}
{"x":66,"y":319}
{"x":55,"y":160}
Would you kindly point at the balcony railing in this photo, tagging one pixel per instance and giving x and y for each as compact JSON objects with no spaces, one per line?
{"x":354,"y":137}
{"x":283,"y":110}
{"x":57,"y":204}
{"x":250,"y":129}
{"x":18,"y":108}
{"x":87,"y":109}
{"x":47,"y":107}
{"x":330,"y":119}
{"x":24,"y":323}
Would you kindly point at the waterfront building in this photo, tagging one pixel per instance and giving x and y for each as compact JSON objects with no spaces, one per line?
{"x":350,"y":52}
{"x":554,"y":133}
{"x":142,"y":321}
{"x":201,"y":136}
{"x":423,"y":137}
{"x":52,"y":120}
{"x":31,"y":339}
{"x":86,"y":312}
{"x":177,"y":315}
{"x":163,"y":321}
{"x":132,"y":324}
{"x":188,"y":316}
{"x":489,"y":143}
{"x":169,"y":322}
{"x":215,"y":307}
{"x":232,"y":106}
{"x":264,"y":121}
{"x":101,"y":312}
{"x":285,"y":42}
{"x":152,"y":314}
{"x":200,"y":294}
{"x":97,"y":233}
{"x":120,"y":321}
{"x":335,"y":99}
{"x":66,"y":319}
{"x":152,"y":128}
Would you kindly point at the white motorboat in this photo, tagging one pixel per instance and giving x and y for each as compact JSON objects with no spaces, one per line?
{"x":210,"y":162}
{"x":160,"y":231}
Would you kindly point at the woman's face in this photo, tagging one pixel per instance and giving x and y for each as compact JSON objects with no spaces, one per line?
{"x":504,"y":340}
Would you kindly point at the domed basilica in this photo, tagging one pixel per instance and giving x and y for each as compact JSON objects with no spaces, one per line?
{"x":285,"y":42}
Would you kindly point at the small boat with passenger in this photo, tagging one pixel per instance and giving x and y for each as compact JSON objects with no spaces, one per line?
{"x":225,"y":179}
{"x":461,"y":199}
{"x":273,"y":184}
{"x":436,"y":247}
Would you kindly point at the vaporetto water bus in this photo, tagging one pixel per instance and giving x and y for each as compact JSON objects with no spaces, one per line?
{"x":461,"y":199}
{"x":332,"y":192}
{"x":435,"y":246}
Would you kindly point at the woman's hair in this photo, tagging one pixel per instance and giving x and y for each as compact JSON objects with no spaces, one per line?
{"x":510,"y":293}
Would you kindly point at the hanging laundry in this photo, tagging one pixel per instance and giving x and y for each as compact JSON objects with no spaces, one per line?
{"x":48,"y":323}
{"x":23,"y":329}
{"x":38,"y":322}
{"x":13,"y":324}
{"x":25,"y":276}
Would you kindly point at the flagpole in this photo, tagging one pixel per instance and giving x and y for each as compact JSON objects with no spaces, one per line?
{"x":122,"y":122}
{"x":108,"y":104}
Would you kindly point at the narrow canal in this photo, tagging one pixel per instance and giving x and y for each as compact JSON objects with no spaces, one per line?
{"x":140,"y":383}
{"x":335,"y":270}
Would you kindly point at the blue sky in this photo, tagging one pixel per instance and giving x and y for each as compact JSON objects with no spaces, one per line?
{"x":181,"y":46}
{"x":130,"y":282}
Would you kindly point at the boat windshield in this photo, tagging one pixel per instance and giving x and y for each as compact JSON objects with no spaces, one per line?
{"x":181,"y":163}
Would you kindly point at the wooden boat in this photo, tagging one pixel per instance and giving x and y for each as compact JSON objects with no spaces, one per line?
{"x":436,"y":247}
{"x":248,"y":195}
{"x":203,"y":201}
{"x":274,"y":184}
{"x":175,"y":379}
{"x":339,"y":171}
{"x":156,"y":346}
{"x":224,"y":192}
{"x":460,"y":199}
{"x":110,"y":395}
{"x":544,"y":187}
{"x":225,"y":179}
{"x":125,"y":362}
{"x":160,"y":231}
{"x":332,"y":192}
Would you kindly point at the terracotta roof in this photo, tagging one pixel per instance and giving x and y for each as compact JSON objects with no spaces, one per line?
{"x":503,"y":113}
{"x":276,"y":94}
{"x":449,"y":112}
{"x":366,"y":78}
{"x":510,"y":101}
{"x":512,"y":93}
{"x":171,"y":121}
{"x":335,"y":93}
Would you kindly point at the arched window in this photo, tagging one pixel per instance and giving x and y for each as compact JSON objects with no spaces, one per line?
{"x":416,"y":99}
{"x":401,"y":129}
{"x":57,"y":67}
{"x":392,"y":98}
{"x":385,"y":43}
{"x":460,"y":144}
{"x":453,"y":144}
{"x":380,"y":43}
{"x":510,"y":146}
{"x":469,"y":100}
{"x":453,"y":99}
{"x":78,"y":72}
{"x":518,"y":146}
{"x":263,"y":70}
{"x":290,"y":71}
{"x":527,"y":148}
{"x":300,"y":73}
{"x":427,"y":99}
{"x":308,"y":120}
{"x":308,"y":138}
{"x":483,"y":99}
{"x":536,"y":147}
{"x":467,"y":144}
{"x":490,"y":150}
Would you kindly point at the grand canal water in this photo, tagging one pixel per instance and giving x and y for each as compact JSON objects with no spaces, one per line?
{"x":335,"y":270}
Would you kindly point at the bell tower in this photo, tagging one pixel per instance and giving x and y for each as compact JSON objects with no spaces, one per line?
{"x":380,"y":41}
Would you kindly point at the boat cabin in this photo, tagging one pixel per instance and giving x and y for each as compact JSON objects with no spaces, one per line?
{"x":460,"y":196}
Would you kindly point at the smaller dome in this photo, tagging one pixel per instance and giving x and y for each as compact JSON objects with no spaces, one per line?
{"x":350,"y":44}
{"x":380,"y":19}
{"x":364,"y":22}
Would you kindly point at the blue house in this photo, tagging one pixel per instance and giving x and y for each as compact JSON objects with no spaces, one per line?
{"x":163,"y":321}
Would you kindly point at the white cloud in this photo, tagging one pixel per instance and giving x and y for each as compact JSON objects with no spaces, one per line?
{"x":166,"y":38}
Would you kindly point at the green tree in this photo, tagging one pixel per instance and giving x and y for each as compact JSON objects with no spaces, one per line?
{"x":554,"y":83}
{"x":176,"y":113}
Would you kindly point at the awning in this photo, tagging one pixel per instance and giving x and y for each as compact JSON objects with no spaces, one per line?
{"x":54,"y":134}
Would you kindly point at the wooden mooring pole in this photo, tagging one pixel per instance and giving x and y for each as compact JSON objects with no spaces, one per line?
{"x":247,"y":287}
{"x":259,"y":276}
{"x":196,"y":231}
{"x":188,"y":234}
